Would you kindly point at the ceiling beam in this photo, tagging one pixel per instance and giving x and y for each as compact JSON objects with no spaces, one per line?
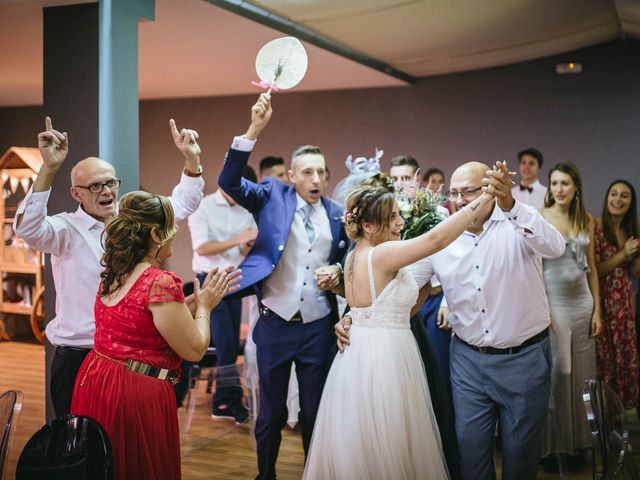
{"x":272,"y":20}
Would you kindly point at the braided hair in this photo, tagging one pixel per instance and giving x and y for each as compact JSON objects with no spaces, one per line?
{"x":369,"y":204}
{"x":127,"y":236}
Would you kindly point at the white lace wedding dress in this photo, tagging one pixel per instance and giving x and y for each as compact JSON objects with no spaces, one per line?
{"x":375,"y":420}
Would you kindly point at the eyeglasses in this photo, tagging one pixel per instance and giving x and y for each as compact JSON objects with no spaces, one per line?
{"x":98,"y":187}
{"x":464,"y":193}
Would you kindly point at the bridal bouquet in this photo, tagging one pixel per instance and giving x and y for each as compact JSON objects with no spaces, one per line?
{"x":421,"y":209}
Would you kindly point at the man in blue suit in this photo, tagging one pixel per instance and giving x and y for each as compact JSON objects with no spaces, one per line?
{"x":300,"y":245}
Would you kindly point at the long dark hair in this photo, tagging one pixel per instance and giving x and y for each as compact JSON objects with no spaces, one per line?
{"x":577,"y":212}
{"x":629,"y":224}
{"x":127,"y":236}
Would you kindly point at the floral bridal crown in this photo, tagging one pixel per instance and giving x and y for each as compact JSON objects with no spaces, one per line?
{"x":421,"y":209}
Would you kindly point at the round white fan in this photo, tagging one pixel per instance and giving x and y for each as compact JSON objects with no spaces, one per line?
{"x":281,"y":64}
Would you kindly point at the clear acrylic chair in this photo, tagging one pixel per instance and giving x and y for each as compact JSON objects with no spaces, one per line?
{"x":610,"y":432}
{"x":228,"y":376}
{"x":10,"y":407}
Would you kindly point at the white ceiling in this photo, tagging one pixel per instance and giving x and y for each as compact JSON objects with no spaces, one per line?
{"x":195,"y":49}
{"x":428,"y":37}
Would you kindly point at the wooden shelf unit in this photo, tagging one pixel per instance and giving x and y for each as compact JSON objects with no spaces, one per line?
{"x":19,"y":264}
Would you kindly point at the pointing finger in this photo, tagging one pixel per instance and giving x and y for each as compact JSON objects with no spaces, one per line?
{"x":47,"y":123}
{"x":174,"y":129}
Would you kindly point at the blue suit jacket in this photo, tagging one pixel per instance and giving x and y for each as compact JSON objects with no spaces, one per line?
{"x":273,"y":205}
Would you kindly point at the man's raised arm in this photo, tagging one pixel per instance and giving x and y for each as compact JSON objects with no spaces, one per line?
{"x":186,"y":196}
{"x":248,"y":194}
{"x":31,"y":222}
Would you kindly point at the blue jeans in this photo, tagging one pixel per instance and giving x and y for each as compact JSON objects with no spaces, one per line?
{"x":225,"y":335}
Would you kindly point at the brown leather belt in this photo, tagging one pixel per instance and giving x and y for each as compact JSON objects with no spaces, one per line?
{"x":511,"y":350}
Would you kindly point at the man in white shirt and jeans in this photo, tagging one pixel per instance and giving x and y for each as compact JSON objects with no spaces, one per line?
{"x":500,"y":357}
{"x":222,"y":234}
{"x":74,"y":241}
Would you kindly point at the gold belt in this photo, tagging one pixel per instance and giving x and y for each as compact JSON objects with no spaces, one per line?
{"x":138,"y":367}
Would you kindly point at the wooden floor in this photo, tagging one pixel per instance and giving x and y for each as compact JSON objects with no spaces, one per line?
{"x":215,"y":449}
{"x":212,"y":449}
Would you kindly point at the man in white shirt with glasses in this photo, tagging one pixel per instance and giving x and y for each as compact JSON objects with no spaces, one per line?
{"x":74,"y":241}
{"x":500,"y":358}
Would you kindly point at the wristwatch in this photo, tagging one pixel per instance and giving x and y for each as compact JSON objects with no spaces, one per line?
{"x":189,"y":173}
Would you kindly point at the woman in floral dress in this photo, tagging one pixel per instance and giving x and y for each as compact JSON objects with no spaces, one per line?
{"x":618,"y":262}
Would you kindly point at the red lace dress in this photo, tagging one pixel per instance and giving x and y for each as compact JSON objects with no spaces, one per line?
{"x":616,"y":346}
{"x":138,"y":412}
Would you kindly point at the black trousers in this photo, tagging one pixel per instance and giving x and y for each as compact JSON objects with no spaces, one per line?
{"x":64,"y":370}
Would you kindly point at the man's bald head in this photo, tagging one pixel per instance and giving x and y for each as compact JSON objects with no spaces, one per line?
{"x":84,"y":171}
{"x":470,"y":174}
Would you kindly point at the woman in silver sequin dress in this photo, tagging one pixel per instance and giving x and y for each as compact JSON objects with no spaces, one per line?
{"x":574,"y":300}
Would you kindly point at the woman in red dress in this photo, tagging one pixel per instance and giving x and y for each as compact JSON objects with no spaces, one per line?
{"x":144,"y":327}
{"x":618,"y":262}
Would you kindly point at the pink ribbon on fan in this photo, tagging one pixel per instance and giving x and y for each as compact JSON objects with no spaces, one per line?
{"x":262,"y":84}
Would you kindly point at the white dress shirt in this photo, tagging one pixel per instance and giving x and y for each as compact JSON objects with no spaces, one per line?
{"x":217,"y":221}
{"x":534,"y":198}
{"x":73,"y":240}
{"x":292,"y":286}
{"x":493,"y":281}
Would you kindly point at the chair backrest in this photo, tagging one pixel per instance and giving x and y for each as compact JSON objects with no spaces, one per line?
{"x":69,"y":447}
{"x":10,"y":407}
{"x":609,"y":428}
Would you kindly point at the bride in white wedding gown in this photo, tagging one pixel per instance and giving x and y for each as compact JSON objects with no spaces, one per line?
{"x":375,"y":419}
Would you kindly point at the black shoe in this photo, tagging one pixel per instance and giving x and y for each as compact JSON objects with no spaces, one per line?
{"x":223,"y":411}
{"x":240,"y":413}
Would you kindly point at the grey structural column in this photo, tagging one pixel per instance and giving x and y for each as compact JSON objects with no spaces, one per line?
{"x":90,"y":77}
{"x":70,"y":94}
{"x":119,"y":112}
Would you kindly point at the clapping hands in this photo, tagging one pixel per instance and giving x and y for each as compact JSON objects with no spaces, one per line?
{"x":215,"y":286}
{"x":631,"y":248}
